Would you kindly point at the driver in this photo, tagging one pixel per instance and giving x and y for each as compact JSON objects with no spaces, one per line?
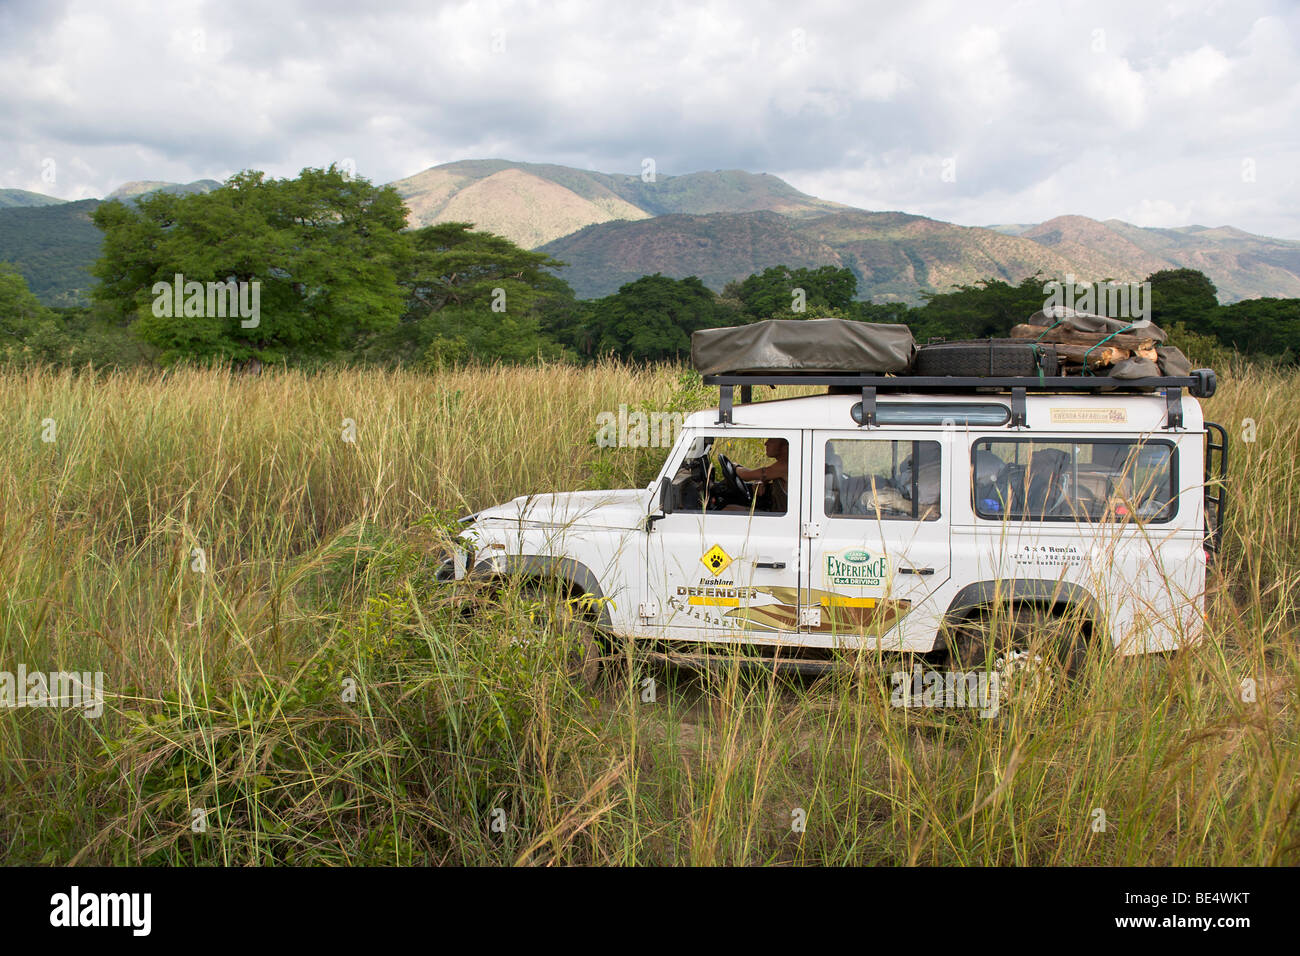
{"x":772,"y":491}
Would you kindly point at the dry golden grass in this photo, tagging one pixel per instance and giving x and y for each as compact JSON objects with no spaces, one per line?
{"x":467,"y":740}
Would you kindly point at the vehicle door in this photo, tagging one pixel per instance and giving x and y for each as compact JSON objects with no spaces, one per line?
{"x":876,"y":544}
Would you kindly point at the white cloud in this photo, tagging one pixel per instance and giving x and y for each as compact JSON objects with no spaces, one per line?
{"x":1121,"y":93}
{"x":1107,"y":109}
{"x":1193,"y":73}
{"x":1158,"y":212}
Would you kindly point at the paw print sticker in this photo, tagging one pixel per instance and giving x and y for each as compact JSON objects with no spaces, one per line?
{"x":715,"y":559}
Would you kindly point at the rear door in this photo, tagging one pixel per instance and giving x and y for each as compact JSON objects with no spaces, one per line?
{"x":876,"y":538}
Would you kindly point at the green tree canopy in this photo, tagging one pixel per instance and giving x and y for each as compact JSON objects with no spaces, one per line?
{"x":1263,"y":327}
{"x":473,"y":295}
{"x":1185,"y":297}
{"x":652,"y":318}
{"x":21,"y":313}
{"x":325,"y":250}
{"x":28,"y":330}
{"x":885,"y":312}
{"x":770,"y":294}
{"x":987,"y":308}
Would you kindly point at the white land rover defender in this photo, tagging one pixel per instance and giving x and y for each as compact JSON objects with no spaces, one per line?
{"x":908,"y":505}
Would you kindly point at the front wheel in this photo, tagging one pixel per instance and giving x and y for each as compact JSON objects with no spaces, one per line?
{"x":568,"y":620}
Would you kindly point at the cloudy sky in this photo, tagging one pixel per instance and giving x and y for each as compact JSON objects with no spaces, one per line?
{"x":1161,"y":113}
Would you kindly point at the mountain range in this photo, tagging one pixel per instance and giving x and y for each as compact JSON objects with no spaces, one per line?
{"x":724,"y":225}
{"x":20,"y":198}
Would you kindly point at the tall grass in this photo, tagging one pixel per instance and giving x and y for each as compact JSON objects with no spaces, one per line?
{"x":311,"y":695}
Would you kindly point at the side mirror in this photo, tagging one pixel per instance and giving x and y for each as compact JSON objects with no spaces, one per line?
{"x":665,"y":503}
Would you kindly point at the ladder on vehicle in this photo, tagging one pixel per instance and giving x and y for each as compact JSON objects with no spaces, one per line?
{"x":1216,"y":485}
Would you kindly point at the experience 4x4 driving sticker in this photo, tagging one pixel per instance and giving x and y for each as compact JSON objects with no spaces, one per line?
{"x":856,"y":568}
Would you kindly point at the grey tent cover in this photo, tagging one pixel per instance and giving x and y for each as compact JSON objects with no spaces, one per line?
{"x":804,"y":345}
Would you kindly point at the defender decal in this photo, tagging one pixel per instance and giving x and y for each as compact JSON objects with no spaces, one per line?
{"x":841,"y":613}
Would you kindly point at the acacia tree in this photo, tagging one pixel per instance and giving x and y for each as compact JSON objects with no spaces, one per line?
{"x":325,"y":249}
{"x":470,"y":295}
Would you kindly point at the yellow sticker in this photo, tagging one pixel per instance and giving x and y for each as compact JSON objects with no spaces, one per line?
{"x":715,"y":559}
{"x":1089,"y":416}
{"x":836,"y":600}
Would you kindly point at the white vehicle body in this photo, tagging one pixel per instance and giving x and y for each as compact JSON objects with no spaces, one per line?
{"x":819,"y":576}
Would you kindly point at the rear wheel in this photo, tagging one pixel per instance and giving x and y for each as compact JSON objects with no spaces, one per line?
{"x":1033,"y":651}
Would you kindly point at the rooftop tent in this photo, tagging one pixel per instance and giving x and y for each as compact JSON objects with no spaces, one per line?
{"x":804,"y":345}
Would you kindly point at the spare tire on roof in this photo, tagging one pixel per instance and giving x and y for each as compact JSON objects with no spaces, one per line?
{"x":987,"y":358}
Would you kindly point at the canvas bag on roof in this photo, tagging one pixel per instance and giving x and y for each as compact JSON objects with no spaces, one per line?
{"x":804,"y":345}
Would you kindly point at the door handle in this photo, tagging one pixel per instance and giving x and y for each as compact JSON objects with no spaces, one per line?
{"x":770,"y":565}
{"x":916,"y":570}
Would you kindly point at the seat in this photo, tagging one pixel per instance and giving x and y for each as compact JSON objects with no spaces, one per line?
{"x":834,"y":486}
{"x":1046,"y":474}
{"x":985,"y":469}
{"x":928,"y":476}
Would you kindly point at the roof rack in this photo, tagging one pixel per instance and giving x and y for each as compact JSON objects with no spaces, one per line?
{"x":1202,"y":383}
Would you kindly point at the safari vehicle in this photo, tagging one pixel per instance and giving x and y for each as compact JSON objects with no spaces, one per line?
{"x":913,"y":506}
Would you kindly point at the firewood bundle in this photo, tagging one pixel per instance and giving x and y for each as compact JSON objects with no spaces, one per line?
{"x":1102,"y":345}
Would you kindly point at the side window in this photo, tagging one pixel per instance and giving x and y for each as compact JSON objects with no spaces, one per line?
{"x":731,"y":475}
{"x":1053,"y":480}
{"x":881,"y":479}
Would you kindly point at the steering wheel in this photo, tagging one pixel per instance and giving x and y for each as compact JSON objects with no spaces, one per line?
{"x":738,"y":487}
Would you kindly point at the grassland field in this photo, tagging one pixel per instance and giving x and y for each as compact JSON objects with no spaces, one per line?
{"x":286,"y":683}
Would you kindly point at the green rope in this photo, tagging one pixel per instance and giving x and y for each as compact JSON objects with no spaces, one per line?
{"x":1048,"y":329}
{"x":1101,"y":343}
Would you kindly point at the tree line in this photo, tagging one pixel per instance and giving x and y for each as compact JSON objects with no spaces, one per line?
{"x":339,"y":278}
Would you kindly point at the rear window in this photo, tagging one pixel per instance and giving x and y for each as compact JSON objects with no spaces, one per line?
{"x":1061,"y":480}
